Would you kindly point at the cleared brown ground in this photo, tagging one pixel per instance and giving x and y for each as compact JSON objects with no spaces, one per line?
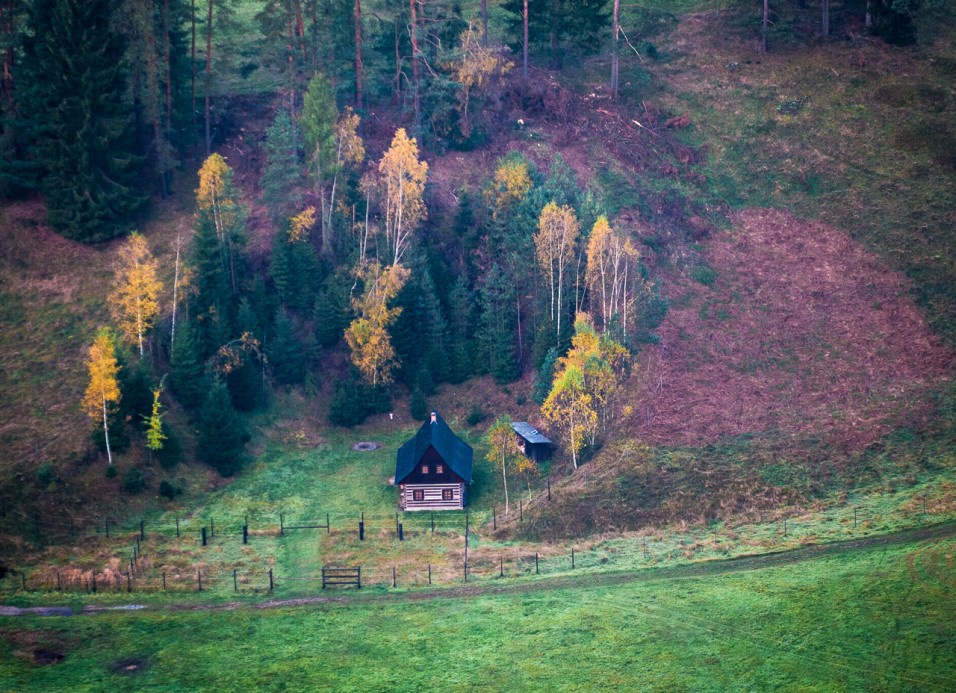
{"x":803,"y":331}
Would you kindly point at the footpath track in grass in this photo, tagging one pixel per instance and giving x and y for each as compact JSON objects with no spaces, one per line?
{"x":700,"y":569}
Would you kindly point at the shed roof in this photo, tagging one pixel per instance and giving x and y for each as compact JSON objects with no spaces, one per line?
{"x":529,"y":432}
{"x":435,"y":433}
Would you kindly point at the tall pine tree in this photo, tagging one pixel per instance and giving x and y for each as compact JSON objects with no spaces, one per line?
{"x":78,"y":99}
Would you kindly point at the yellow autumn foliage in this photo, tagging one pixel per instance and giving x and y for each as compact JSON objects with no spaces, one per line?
{"x":134,"y":301}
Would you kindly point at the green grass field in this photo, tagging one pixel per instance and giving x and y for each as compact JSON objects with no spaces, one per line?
{"x":874,"y":619}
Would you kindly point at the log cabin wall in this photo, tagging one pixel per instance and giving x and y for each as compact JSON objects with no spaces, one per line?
{"x":432,"y":497}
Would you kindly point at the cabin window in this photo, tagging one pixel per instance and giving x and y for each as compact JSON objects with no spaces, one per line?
{"x":439,"y":469}
{"x":424,"y":469}
{"x":418,"y":494}
{"x":447,"y":494}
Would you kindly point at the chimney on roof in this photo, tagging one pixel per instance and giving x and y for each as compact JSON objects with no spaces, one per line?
{"x":434,"y":417}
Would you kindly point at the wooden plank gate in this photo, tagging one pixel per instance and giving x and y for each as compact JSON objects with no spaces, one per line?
{"x":342,"y":576}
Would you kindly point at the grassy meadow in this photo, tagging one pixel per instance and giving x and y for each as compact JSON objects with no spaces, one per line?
{"x":873,"y":619}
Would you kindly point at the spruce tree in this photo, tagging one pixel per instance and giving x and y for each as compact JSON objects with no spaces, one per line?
{"x":286,"y":354}
{"x":245,"y":382}
{"x":78,"y":100}
{"x":186,"y":366}
{"x":222,"y":434}
{"x":280,"y":180}
{"x":496,"y":326}
{"x":461,"y":350}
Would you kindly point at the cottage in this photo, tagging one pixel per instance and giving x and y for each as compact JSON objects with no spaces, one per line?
{"x":433,"y":469}
{"x":531,"y":442}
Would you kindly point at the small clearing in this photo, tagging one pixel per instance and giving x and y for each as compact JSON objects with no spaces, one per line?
{"x":792,"y":327}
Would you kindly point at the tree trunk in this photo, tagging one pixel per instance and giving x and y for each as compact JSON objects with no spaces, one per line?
{"x":763,"y":32}
{"x":172,"y":332}
{"x":826,"y":18}
{"x":397,"y":93}
{"x":416,"y":75}
{"x":615,"y":50}
{"x":484,"y":22}
{"x":504,"y":476}
{"x":9,"y":27}
{"x":192,"y":62}
{"x":524,"y":72}
{"x":106,"y":433}
{"x":358,"y":53}
{"x":554,"y":60}
{"x":169,"y":82}
{"x":208,"y":76}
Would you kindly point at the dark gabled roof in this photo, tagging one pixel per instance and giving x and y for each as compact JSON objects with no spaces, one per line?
{"x":528,"y":432}
{"x":456,"y":453}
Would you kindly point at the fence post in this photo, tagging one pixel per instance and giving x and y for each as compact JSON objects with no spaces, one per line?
{"x":328,"y":525}
{"x":394,"y":581}
{"x":433,"y":522}
{"x":271,"y":584}
{"x":784,"y":526}
{"x":58,"y":581}
{"x":536,"y":572}
{"x":401,"y":531}
{"x":549,"y":488}
{"x":199,"y":579}
{"x":429,"y":573}
{"x":362,"y":528}
{"x":245,"y":534}
{"x":235,"y":580}
{"x":854,"y":518}
{"x":106,"y":524}
{"x":281,"y":524}
{"x":645,"y":548}
{"x":142,"y":529}
{"x":94,"y":583}
{"x":520,"y":510}
{"x":177,"y":528}
{"x":203,"y":536}
{"x":572,"y":558}
{"x":360,"y":577}
{"x":494,"y":517}
{"x":212,"y":527}
{"x":164,"y":581}
{"x":501,"y":567}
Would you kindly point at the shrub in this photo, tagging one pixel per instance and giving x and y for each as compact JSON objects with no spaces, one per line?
{"x":418,"y":405}
{"x":134,"y":481}
{"x":476,"y":416}
{"x":111,"y":472}
{"x":46,"y":475}
{"x":169,"y":490}
{"x":703,"y":275}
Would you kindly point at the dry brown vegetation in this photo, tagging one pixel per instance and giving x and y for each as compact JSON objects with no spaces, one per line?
{"x":803,"y":330}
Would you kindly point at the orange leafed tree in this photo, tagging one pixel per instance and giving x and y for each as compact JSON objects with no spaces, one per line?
{"x":509,"y":186}
{"x":134,"y":301}
{"x":478,"y":65}
{"x":402,"y":179}
{"x":103,"y":388}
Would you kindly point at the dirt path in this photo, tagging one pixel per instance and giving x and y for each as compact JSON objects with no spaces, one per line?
{"x":704,"y":568}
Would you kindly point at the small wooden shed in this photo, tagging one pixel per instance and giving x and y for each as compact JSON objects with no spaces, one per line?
{"x":531,"y":442}
{"x":433,"y":469}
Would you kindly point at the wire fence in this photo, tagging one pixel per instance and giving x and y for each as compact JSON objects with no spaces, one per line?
{"x":143,"y":556}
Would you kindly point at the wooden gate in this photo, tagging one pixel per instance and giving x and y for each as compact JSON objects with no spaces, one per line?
{"x":342,"y":576}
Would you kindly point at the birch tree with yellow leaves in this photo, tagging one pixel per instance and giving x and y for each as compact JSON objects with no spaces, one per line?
{"x":502,"y":450}
{"x":555,"y":242}
{"x":103,"y":388}
{"x":367,"y":336}
{"x":478,"y":66}
{"x":611,"y":275}
{"x":402,"y":181}
{"x":586,"y":386}
{"x":134,"y":301}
